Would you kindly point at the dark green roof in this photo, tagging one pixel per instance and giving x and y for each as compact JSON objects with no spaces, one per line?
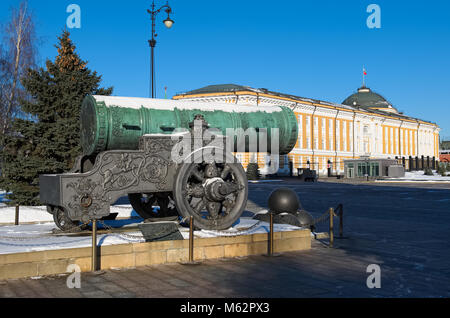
{"x":366,"y":98}
{"x":218,"y":89}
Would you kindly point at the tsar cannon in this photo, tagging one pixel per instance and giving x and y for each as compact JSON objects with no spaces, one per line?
{"x":176,"y":155}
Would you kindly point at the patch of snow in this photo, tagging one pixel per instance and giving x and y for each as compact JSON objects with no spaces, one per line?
{"x":264,"y":181}
{"x":253,"y":226}
{"x":37,"y":237}
{"x":418,"y":176}
{"x":262,"y":212}
{"x":167,"y":104}
{"x":39,"y":214}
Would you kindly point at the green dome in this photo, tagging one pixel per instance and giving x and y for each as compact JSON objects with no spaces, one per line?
{"x":365,"y":98}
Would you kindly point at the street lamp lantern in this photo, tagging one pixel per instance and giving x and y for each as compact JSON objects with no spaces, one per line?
{"x":168,"y":23}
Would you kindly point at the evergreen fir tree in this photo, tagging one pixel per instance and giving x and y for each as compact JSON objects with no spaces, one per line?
{"x":428,"y":172}
{"x":253,"y":171}
{"x":51,"y":142}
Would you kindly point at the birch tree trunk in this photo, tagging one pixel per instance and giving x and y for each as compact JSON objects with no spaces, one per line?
{"x":20,"y":55}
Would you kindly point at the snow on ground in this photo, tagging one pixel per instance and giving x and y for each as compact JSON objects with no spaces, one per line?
{"x":264,"y":181}
{"x":38,"y":237}
{"x":39,"y":214}
{"x":418,"y":176}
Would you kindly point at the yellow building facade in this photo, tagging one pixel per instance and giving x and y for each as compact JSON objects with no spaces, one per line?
{"x":365,"y":124}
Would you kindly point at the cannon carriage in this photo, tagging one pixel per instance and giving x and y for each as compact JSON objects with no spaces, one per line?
{"x":161,"y":153}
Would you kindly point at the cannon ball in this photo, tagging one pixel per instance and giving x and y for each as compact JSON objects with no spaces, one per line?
{"x":284,"y":200}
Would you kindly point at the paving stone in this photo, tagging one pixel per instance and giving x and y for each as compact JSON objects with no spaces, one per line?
{"x":96,"y":294}
{"x":110,"y":287}
{"x":7,"y":292}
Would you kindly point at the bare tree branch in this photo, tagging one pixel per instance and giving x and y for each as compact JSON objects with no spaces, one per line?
{"x":16,"y":58}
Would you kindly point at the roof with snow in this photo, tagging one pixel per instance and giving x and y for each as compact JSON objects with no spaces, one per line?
{"x":364,"y":100}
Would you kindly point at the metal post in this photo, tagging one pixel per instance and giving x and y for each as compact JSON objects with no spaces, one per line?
{"x":331,"y":227}
{"x":191,"y":240}
{"x":152,"y":43}
{"x":94,"y":246}
{"x":271,"y":239}
{"x":191,"y":244}
{"x":329,"y":168}
{"x":271,"y":235}
{"x":16,"y":221}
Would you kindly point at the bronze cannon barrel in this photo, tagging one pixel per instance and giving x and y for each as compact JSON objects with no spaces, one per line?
{"x":116,"y":123}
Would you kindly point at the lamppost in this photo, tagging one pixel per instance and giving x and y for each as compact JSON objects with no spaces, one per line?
{"x":168,"y":23}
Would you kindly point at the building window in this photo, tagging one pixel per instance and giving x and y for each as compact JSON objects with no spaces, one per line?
{"x":366,"y":130}
{"x":338,"y":135}
{"x":300,"y":131}
{"x":351,"y":135}
{"x":308,"y":132}
{"x":330,"y":134}
{"x":374,"y":169}
{"x":362,"y":169}
{"x":344,"y":135}
{"x":391,"y":138}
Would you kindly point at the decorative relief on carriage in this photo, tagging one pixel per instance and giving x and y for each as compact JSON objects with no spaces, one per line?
{"x":87,"y":197}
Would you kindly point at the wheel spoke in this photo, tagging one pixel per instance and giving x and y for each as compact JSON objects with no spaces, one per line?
{"x":213,"y":209}
{"x":211,"y":170}
{"x":199,"y":206}
{"x":228,"y":204}
{"x":195,"y":191}
{"x":225,"y":172}
{"x":197,"y":174}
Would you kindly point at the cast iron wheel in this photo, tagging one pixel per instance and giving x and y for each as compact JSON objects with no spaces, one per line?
{"x":215,"y":194}
{"x":143,"y":204}
{"x":62,"y":221}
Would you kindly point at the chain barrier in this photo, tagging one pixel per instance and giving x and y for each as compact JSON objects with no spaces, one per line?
{"x":326,"y":216}
{"x":28,"y":238}
{"x":121,"y":235}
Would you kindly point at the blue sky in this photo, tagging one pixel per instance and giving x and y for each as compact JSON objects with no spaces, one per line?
{"x":308,"y":48}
